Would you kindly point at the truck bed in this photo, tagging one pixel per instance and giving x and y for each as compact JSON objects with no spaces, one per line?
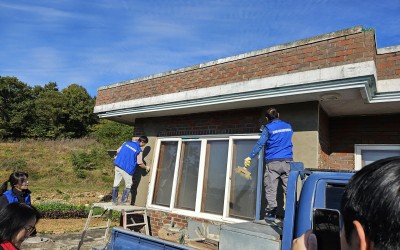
{"x":250,"y":235}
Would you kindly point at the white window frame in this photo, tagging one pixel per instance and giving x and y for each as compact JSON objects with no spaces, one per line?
{"x":154,"y":173}
{"x":359,"y":147}
{"x":197,"y":213}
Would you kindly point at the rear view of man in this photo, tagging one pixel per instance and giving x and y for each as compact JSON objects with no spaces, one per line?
{"x":276,"y":137}
{"x":128,"y":157}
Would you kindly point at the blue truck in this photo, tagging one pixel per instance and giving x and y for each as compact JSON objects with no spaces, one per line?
{"x":307,"y":189}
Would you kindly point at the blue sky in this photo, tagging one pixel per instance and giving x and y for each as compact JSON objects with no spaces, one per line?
{"x":99,"y":42}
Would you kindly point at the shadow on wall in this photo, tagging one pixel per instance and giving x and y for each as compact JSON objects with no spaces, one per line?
{"x":137,"y":176}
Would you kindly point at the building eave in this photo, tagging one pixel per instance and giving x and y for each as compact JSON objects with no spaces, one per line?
{"x":353,"y":86}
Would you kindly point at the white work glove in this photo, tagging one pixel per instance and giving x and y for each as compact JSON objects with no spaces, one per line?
{"x":147,"y":168}
{"x":247,"y":162}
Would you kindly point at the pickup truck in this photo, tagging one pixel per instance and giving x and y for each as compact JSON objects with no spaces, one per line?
{"x":307,"y":189}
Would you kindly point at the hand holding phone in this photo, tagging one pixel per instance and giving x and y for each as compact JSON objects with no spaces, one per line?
{"x":326,"y":226}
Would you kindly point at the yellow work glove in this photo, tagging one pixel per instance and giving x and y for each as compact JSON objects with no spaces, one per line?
{"x":247,"y":162}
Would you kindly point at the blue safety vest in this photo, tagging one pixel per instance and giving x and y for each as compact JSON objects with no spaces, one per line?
{"x":126,"y":157}
{"x":279,"y":143}
{"x":12,"y":198}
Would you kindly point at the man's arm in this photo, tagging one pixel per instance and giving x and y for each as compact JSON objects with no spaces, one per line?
{"x":140,"y":162}
{"x":260,"y":143}
{"x":119,"y":148}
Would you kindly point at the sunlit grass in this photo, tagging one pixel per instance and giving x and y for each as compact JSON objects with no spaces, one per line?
{"x":49,"y":165}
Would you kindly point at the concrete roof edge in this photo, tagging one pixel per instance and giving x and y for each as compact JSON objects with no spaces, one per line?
{"x":294,"y":79}
{"x":297,"y":43}
{"x":387,"y":50}
{"x":363,"y":82}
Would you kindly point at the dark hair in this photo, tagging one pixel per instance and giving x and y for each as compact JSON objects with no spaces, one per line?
{"x":372,"y":197}
{"x":272,"y":114}
{"x":14,"y":217}
{"x":144,"y":139}
{"x":14,"y":179}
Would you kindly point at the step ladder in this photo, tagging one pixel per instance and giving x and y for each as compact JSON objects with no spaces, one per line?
{"x":124,"y":210}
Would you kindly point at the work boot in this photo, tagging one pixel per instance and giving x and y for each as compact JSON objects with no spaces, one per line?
{"x":125,"y":195}
{"x":114,"y":195}
{"x":270,"y":215}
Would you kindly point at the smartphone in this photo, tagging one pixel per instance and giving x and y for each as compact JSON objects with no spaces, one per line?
{"x":326,"y":226}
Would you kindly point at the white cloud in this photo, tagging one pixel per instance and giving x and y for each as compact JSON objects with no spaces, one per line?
{"x":96,"y":43}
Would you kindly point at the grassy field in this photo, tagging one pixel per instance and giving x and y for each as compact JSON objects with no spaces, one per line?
{"x":52,"y":175}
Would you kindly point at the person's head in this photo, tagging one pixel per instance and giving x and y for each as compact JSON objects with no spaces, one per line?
{"x":143,"y":140}
{"x":18,"y":180}
{"x":371,"y":207}
{"x":17,"y":222}
{"x":271,"y":114}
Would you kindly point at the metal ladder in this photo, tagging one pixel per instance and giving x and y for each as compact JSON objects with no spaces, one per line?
{"x":108,"y":208}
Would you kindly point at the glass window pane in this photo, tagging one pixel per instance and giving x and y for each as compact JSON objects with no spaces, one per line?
{"x":215,"y":176}
{"x":243,"y":192}
{"x":165,"y":173}
{"x":188,"y":175}
{"x":371,"y":155}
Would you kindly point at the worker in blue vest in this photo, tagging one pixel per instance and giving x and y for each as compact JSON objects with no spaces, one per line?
{"x":128,"y":157}
{"x":19,"y":191}
{"x":276,"y":138}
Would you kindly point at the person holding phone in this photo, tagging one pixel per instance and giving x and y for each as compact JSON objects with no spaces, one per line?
{"x":326,"y":226}
{"x":370,"y":210}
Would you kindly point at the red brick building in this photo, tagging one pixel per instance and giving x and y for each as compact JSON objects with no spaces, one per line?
{"x":340,"y":93}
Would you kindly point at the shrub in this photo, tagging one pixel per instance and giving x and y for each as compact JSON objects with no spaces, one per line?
{"x":112,"y":134}
{"x":81,"y":174}
{"x":56,"y":210}
{"x":14,"y":165}
{"x":83,"y":161}
{"x":107,"y":178}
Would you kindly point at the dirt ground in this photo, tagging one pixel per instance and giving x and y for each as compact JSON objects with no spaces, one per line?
{"x":70,"y":197}
{"x":61,"y":226}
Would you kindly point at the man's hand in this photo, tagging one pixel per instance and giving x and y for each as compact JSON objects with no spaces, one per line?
{"x":147,"y":168}
{"x":247,"y":162}
{"x":307,"y":241}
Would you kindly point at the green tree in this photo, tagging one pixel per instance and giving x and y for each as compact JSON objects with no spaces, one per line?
{"x":16,"y":104}
{"x":44,"y":112}
{"x":49,"y":113}
{"x":112,"y":134}
{"x":37,"y":90}
{"x":79,"y":106}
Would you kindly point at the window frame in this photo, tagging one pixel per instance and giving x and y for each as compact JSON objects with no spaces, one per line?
{"x":179,"y":173}
{"x":200,"y":182}
{"x":359,"y":147}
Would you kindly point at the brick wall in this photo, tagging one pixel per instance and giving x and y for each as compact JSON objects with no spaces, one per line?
{"x":224,"y":122}
{"x":346,"y":49}
{"x":158,"y":219}
{"x":388,"y":66}
{"x":347,"y":131}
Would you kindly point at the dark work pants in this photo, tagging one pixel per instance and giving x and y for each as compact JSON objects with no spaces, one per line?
{"x":136,"y":177}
